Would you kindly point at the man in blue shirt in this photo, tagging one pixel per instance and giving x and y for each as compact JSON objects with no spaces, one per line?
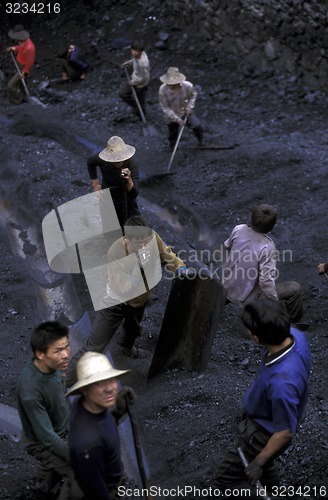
{"x":274,"y":404}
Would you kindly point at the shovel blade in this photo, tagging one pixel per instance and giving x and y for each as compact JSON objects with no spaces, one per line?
{"x":35,"y":100}
{"x":149,"y":130}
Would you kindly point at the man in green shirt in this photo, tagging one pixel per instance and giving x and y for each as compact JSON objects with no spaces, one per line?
{"x":44,"y":410}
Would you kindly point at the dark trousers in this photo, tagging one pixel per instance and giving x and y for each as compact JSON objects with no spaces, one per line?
{"x":231,"y":471}
{"x":51,"y":470}
{"x":15,"y":90}
{"x":105,"y":325}
{"x":127,"y":96}
{"x":192,"y":122}
{"x":290,"y":293}
{"x":73,"y":74}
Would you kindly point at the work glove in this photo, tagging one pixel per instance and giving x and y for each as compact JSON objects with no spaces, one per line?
{"x":125,"y":396}
{"x":253,"y":472}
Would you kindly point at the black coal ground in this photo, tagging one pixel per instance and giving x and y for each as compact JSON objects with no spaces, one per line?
{"x":278,"y":130}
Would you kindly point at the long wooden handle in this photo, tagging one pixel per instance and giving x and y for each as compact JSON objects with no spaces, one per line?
{"x":176,"y":144}
{"x":261,"y":490}
{"x":20,"y":74}
{"x":135,"y":97}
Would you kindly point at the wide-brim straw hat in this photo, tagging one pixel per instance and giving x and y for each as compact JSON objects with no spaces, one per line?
{"x":93,"y":367}
{"x":172,"y":76}
{"x":116,"y":150}
{"x":19,"y":33}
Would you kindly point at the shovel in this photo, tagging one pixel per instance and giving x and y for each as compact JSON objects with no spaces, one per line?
{"x":177,"y":143}
{"x":33,"y":100}
{"x":147,"y":128}
{"x":46,"y":83}
{"x":138,"y":449}
{"x":259,"y":488}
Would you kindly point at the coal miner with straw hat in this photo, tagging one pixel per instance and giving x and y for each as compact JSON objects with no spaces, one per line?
{"x":120,"y":174}
{"x":177,"y":99}
{"x":94,"y":442}
{"x":25,"y":56}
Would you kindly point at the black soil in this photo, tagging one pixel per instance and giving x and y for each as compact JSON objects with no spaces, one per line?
{"x":273,"y":140}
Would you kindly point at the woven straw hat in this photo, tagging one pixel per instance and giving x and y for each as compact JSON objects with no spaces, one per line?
{"x":93,"y":367}
{"x":18,"y":33}
{"x":172,"y":76}
{"x":116,"y":150}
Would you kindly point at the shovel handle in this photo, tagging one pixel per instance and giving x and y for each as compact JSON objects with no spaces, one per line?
{"x":177,"y":143}
{"x":137,"y":445}
{"x":135,"y":97}
{"x":20,"y":74}
{"x":259,"y":485}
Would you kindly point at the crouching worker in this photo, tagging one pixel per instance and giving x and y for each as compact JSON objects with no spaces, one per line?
{"x":43,"y":409}
{"x":275,"y":402}
{"x":73,"y":64}
{"x":94,"y":441}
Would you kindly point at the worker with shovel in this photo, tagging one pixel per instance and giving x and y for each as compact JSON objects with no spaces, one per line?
{"x":134,"y":267}
{"x":25,"y":56}
{"x":73,"y":64}
{"x":120,"y":174}
{"x":139,"y":79}
{"x":177,"y":99}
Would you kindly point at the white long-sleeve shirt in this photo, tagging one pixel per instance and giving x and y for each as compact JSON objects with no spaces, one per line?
{"x":174,"y":104}
{"x":141,"y":71}
{"x":250,"y":269}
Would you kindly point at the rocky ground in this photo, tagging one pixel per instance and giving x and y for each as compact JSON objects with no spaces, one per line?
{"x":273,"y":138}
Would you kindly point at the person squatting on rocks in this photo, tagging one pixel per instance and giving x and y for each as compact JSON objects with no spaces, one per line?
{"x":250,"y":269}
{"x":177,"y":99}
{"x":139,"y":79}
{"x":120,"y":174}
{"x":25,"y":56}
{"x":73,"y":64}
{"x":94,"y":442}
{"x":274,"y":404}
{"x":43,"y":409}
{"x":126,"y":275}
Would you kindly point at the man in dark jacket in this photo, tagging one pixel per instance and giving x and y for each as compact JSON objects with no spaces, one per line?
{"x":74,"y":65}
{"x":94,"y":441}
{"x":134,"y":268}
